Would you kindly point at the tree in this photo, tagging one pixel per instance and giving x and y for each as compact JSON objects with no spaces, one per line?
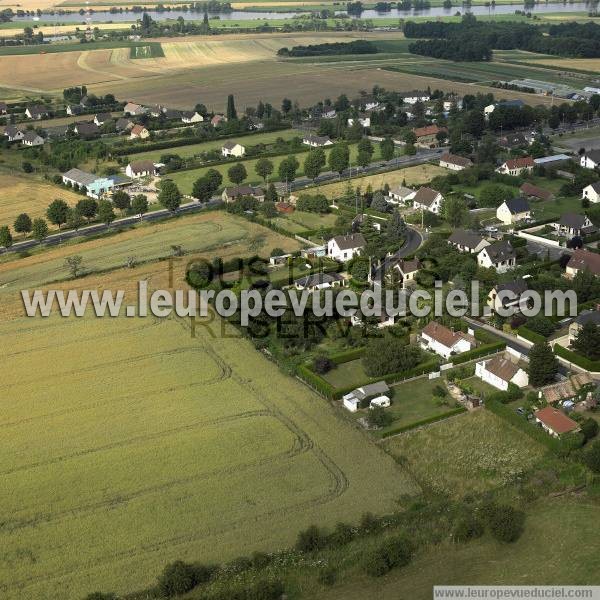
{"x":379,"y":202}
{"x":207,"y":185}
{"x":74,"y":219}
{"x":268,"y":209}
{"x":27,"y":167}
{"x":74,"y":265}
{"x":589,"y":428}
{"x":139,"y":204}
{"x":455,"y":211}
{"x":121,"y":200}
{"x":57,"y":212}
{"x":237,"y":173}
{"x":106,"y":214}
{"x":287,"y":169}
{"x":263,"y":168}
{"x":493,"y":195}
{"x":176,"y":579}
{"x":389,"y":355}
{"x":314,"y":162}
{"x":387,"y":149}
{"x":365,"y":152}
{"x":339,"y":158}
{"x":231,"y":113}
{"x":39,"y":229}
{"x":591,"y":456}
{"x":311,"y":539}
{"x":391,"y":553}
{"x":322,"y":364}
{"x":378,"y":417}
{"x":169,"y":196}
{"x":22,"y":224}
{"x":87,"y":207}
{"x":543,"y":365}
{"x":396,"y":227}
{"x":505,"y":522}
{"x":587,"y":341}
{"x":286,"y":106}
{"x":6,"y":238}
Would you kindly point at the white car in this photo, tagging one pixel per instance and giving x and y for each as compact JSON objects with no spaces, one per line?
{"x":491,"y":229}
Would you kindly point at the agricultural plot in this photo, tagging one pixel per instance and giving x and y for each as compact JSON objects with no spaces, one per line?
{"x":29,"y":195}
{"x":156,"y":446}
{"x":151,"y":50}
{"x":469,"y":453}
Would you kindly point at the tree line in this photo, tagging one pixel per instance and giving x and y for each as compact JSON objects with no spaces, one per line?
{"x":354,"y":47}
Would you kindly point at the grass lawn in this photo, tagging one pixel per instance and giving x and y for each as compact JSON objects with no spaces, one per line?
{"x":556,"y":207}
{"x":480,"y":386}
{"x":469,"y":453}
{"x":195,"y":149}
{"x":347,"y":374}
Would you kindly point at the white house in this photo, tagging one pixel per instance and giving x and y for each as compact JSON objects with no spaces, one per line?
{"x":316,"y":141}
{"x":514,"y":210}
{"x":364,"y":120}
{"x":345,"y":247}
{"x":554,"y":422}
{"x":489,"y":109}
{"x":444,"y":341}
{"x":36,"y":112}
{"x":14,"y":134}
{"x":428,"y":199}
{"x":572,"y":224}
{"x":401,"y":194}
{"x":591,"y":159}
{"x":191,"y":116}
{"x":132,"y":109}
{"x":319,"y":281}
{"x":414,"y":97}
{"x":139,"y":132}
{"x":407,"y":270}
{"x":583,"y":260}
{"x":233,"y":149}
{"x":140,"y":168}
{"x":592,"y":192}
{"x":467,"y":241}
{"x":454,"y":162}
{"x":500,"y":255}
{"x":508,"y":295}
{"x":499,"y":371}
{"x":516,"y":166}
{"x":31,"y":138}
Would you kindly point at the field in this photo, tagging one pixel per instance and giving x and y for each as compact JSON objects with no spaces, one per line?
{"x":26,"y":194}
{"x":466,"y":454}
{"x":414,"y":176}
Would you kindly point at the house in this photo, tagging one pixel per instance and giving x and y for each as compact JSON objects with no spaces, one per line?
{"x":369,"y":103}
{"x":587,"y":316}
{"x":94,"y":185}
{"x":359,"y":398}
{"x":513,"y":140}
{"x":74,"y":109}
{"x":86,"y":130}
{"x":37,"y":112}
{"x":345,"y":247}
{"x":328,"y":112}
{"x":231,"y":148}
{"x":529,"y":190}
{"x":427,"y":136}
{"x":141,"y":168}
{"x":508,"y":295}
{"x":316,"y":141}
{"x":363,"y":119}
{"x":191,"y":116}
{"x":132,"y":109}
{"x":490,"y":108}
{"x":500,"y":371}
{"x":590,"y":160}
{"x":57,"y":132}
{"x":555,"y":422}
{"x":171,"y":113}
{"x":407,"y":270}
{"x":319,"y":281}
{"x":414,"y":97}
{"x":231,"y":194}
{"x":514,"y":210}
{"x":217,"y":120}
{"x":448,"y":104}
{"x":572,"y":224}
{"x":583,"y":260}
{"x":500,"y":255}
{"x":568,"y":389}
{"x":401,"y":194}
{"x":454,"y":162}
{"x":428,"y":199}
{"x":139,"y":132}
{"x":14,"y":134}
{"x":592,"y":192}
{"x":467,"y":241}
{"x":445,"y":342}
{"x":31,"y":138}
{"x":551,"y":161}
{"x":516,"y":166}
{"x":124,"y":124}
{"x":102,"y":118}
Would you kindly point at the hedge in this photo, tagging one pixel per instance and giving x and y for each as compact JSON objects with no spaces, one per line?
{"x":347,"y":355}
{"x":578,"y":359}
{"x":316,"y":381}
{"x":477,"y":352}
{"x":432,"y":419}
{"x":508,"y":414}
{"x":530,"y":335}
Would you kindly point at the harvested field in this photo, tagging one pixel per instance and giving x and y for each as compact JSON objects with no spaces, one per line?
{"x":60,"y":29}
{"x":580,"y":64}
{"x":29,"y":195}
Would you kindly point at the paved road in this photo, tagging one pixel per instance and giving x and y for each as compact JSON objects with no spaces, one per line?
{"x":413,"y":241}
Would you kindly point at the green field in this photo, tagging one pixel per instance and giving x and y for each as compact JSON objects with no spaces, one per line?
{"x":185,"y":179}
{"x":149,"y":50}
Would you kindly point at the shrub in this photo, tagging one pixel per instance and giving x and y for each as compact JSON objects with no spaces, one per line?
{"x":505,"y":522}
{"x":378,"y":417}
{"x":467,"y":528}
{"x":323,"y":364}
{"x":260,"y":560}
{"x":328,"y":576}
{"x":592,"y":457}
{"x":311,"y":539}
{"x":589,"y":428}
{"x":342,"y":535}
{"x":176,"y":579}
{"x":392,"y":553}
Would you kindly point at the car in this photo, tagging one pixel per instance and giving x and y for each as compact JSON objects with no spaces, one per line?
{"x":520,"y":411}
{"x":491,"y":229}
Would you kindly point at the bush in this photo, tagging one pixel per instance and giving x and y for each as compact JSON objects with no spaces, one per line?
{"x":589,"y":428}
{"x":505,"y":522}
{"x":328,"y":576}
{"x":467,"y":528}
{"x":177,"y":578}
{"x":392,"y":553}
{"x":323,"y":364}
{"x":378,"y":417}
{"x":591,"y":457}
{"x":311,"y":539}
